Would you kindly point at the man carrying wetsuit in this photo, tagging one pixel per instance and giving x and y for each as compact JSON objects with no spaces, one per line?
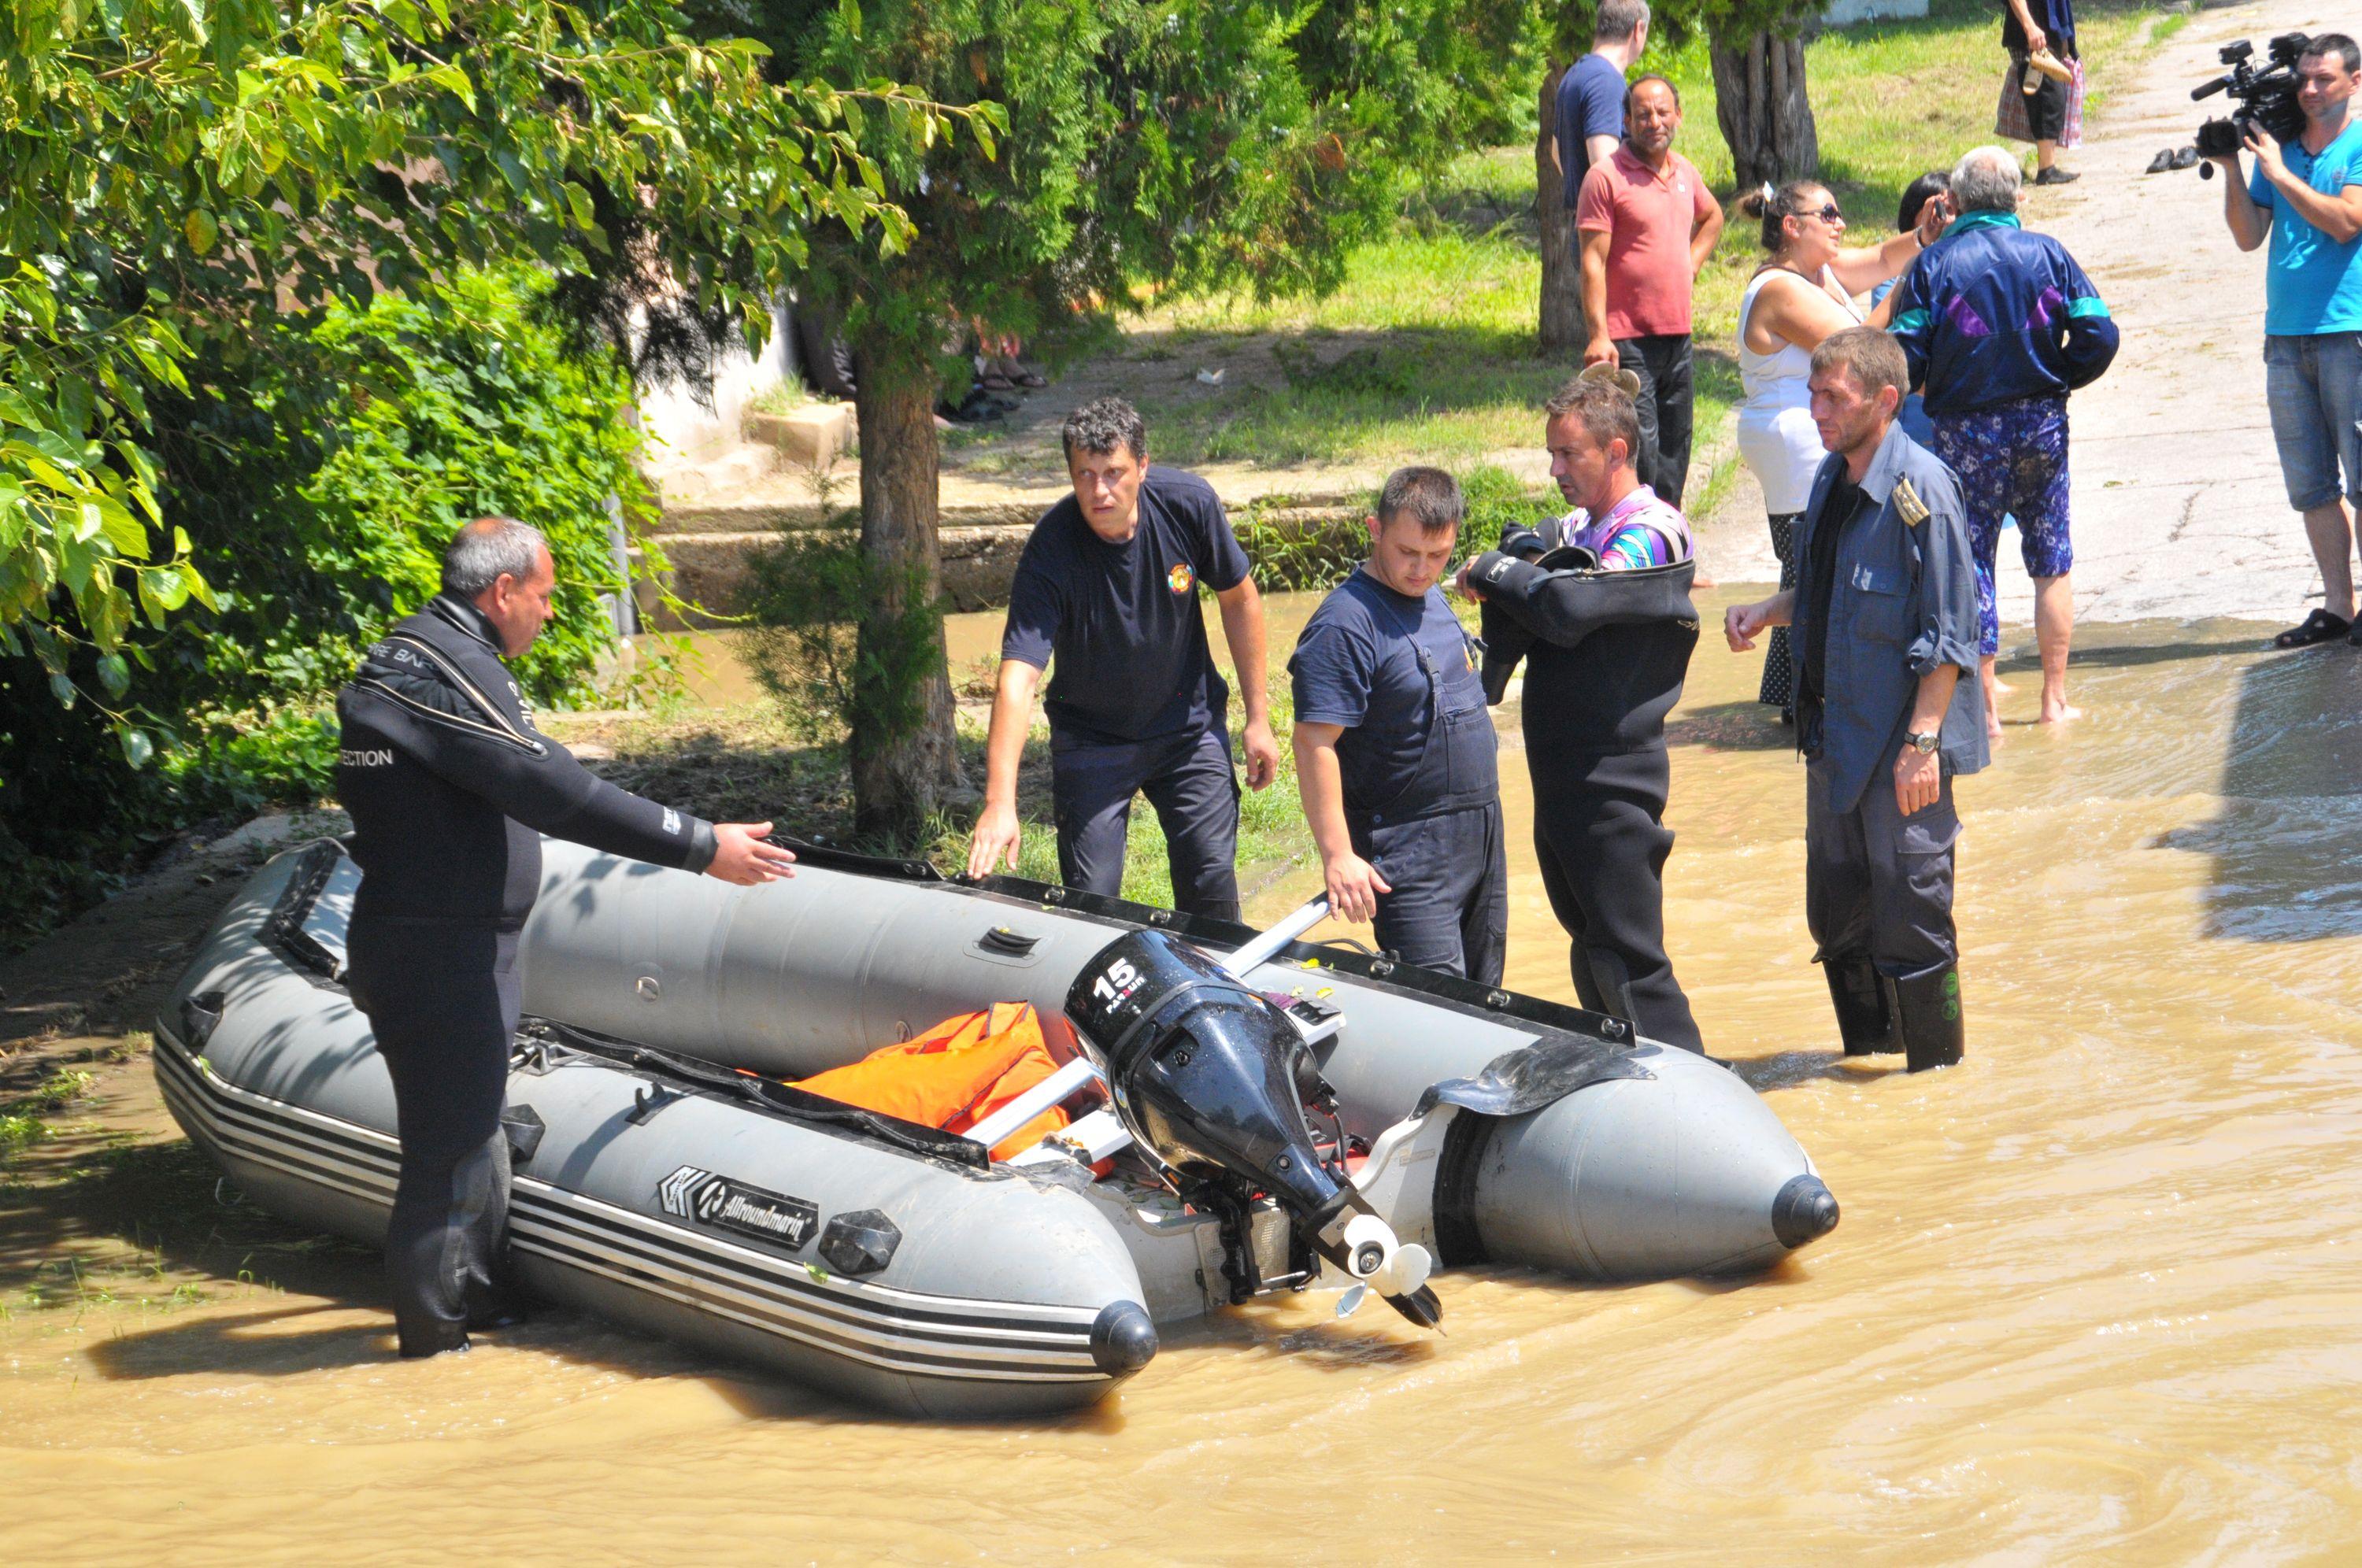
{"x":450,"y":788}
{"x":1394,"y":749}
{"x":1109,"y":585}
{"x":1600,"y":604}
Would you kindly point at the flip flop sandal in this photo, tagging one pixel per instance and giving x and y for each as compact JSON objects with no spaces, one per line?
{"x":2321,"y":626}
{"x":2161,"y":162}
{"x":1032,"y":379}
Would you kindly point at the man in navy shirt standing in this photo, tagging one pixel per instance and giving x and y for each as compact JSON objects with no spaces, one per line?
{"x":1394,"y":749}
{"x":1107,"y":586}
{"x":1591,"y":93}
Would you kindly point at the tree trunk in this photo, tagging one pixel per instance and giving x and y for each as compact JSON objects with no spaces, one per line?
{"x":899,"y":779}
{"x":1562,"y":329}
{"x":1758,"y":86}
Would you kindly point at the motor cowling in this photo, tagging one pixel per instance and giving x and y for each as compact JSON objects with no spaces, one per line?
{"x":1209,"y":1075}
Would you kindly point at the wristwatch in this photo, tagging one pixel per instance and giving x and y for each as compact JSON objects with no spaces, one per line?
{"x":1923,"y":744}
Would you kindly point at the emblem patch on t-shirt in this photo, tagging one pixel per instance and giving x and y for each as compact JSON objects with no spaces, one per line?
{"x":1181,"y":579}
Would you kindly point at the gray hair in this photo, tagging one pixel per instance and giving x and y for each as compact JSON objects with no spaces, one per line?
{"x":1617,"y":19}
{"x":1986,"y":179}
{"x":484,"y":551}
{"x":1101,"y":426}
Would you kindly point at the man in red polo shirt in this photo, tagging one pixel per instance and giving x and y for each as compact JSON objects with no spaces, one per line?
{"x":1648,"y":223}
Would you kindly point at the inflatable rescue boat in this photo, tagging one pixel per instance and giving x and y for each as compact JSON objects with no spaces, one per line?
{"x":1230,"y":1115}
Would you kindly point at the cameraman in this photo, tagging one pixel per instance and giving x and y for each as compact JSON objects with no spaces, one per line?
{"x":2307,"y":194}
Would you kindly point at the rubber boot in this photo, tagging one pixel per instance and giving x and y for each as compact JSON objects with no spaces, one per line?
{"x":1928,"y":1010}
{"x":1865,"y":1021}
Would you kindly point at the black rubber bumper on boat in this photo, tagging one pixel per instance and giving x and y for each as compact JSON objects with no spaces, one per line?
{"x":1805,"y":1210}
{"x":1123,"y":1339}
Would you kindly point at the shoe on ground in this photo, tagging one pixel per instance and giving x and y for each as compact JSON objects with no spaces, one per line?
{"x":2054,"y":175}
{"x":2186,"y":159}
{"x":2321,"y":626}
{"x":2161,"y":162}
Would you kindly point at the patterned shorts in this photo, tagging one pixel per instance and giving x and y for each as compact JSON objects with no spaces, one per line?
{"x":2011,"y":460}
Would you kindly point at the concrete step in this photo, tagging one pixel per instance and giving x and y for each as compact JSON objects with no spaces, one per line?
{"x":814,"y":436}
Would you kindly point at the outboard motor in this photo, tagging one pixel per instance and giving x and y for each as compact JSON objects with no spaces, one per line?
{"x":1214,"y":1079}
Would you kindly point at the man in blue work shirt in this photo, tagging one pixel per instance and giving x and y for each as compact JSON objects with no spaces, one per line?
{"x":1888,"y":705}
{"x":1394,"y":749}
{"x":1107,"y":586}
{"x":2308,"y":193}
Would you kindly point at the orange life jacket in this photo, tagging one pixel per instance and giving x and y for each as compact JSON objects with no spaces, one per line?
{"x":954,"y":1074}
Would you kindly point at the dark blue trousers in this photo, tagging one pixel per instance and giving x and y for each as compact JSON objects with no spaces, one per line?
{"x":1449,"y":910}
{"x":1188,"y":778}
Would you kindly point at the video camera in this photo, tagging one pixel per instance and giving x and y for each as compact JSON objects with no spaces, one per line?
{"x":2266,"y":98}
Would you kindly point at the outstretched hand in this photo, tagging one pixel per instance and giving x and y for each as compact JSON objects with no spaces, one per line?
{"x":741,"y":857}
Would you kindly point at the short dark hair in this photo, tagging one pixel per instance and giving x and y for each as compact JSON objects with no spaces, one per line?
{"x":2323,"y":45}
{"x":1605,"y":411}
{"x":1874,"y":358}
{"x":1102,"y":425}
{"x":486,"y":551}
{"x":1918,"y":195}
{"x":1643,"y":80}
{"x":1428,"y":496}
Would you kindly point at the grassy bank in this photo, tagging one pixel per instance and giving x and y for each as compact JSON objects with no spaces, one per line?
{"x":1426,"y":352}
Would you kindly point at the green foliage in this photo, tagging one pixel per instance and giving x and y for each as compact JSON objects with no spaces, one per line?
{"x":177,"y":174}
{"x":810,"y":596}
{"x":451,"y":404}
{"x":318,"y":482}
{"x":1298,"y":552}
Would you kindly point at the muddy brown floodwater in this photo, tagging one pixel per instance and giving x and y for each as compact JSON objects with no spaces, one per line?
{"x":2096,"y":1292}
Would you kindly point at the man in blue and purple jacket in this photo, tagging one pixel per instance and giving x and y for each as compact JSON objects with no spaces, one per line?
{"x":1999,"y":326}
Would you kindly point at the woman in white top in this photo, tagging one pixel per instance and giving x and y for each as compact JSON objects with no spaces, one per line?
{"x":1796,"y":299}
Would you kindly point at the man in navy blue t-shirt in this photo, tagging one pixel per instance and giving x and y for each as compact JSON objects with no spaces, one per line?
{"x":1108,"y":586}
{"x":1395,"y":747}
{"x":1591,"y":93}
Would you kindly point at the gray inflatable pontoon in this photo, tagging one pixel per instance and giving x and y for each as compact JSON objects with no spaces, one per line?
{"x":666,"y":1180}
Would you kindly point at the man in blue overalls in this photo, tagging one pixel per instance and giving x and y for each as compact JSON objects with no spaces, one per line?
{"x":1394,"y":749}
{"x":1109,"y":585}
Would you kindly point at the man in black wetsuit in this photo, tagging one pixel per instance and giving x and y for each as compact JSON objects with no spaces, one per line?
{"x":1600,"y":604}
{"x":450,"y":789}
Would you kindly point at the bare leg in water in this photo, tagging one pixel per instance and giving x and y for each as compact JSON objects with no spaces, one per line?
{"x":2331,"y":533}
{"x":2054,"y":630}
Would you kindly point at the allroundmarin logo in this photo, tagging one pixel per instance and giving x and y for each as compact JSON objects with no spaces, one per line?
{"x":710,"y":1200}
